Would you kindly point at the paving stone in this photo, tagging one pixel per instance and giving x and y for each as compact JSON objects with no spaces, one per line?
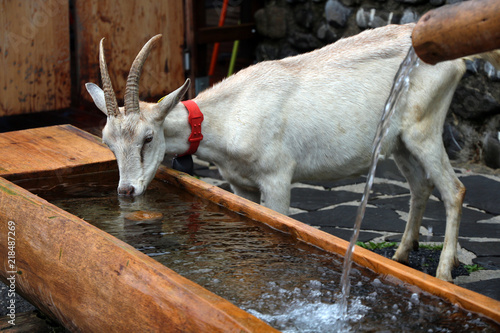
{"x":467,"y":228}
{"x":482,"y":249}
{"x":485,"y":287}
{"x":388,"y":189}
{"x":336,"y":183}
{"x":311,"y":199}
{"x":389,"y":170}
{"x":434,"y":210}
{"x":491,"y":263}
{"x":482,"y":193}
{"x":422,"y":239}
{"x":344,"y":216}
{"x":346,"y":234}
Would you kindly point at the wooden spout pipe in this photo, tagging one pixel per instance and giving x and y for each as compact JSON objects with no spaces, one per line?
{"x":458,"y":30}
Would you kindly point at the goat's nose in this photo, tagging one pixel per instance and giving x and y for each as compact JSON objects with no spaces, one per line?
{"x":126,"y":190}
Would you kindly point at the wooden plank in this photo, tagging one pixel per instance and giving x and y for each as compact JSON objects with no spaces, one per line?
{"x":127,"y":26}
{"x":92,"y":282}
{"x":49,"y":149}
{"x":465,"y":298}
{"x":34,"y":56}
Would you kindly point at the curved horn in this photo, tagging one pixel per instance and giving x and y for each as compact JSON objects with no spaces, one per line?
{"x":132,"y":88}
{"x":109,"y":93}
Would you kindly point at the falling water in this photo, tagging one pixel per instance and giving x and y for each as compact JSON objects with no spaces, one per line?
{"x":400,"y":86}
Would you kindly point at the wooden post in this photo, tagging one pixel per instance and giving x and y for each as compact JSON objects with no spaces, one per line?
{"x":458,"y":30}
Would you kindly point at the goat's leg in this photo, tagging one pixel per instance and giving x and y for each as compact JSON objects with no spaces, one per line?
{"x":420,"y":189}
{"x":430,"y":152}
{"x":275,"y":192}
{"x":253,"y":195}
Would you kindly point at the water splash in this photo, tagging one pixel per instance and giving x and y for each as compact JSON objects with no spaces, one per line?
{"x":399,"y":87}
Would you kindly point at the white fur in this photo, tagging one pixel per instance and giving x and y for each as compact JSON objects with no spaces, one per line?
{"x":310,"y":117}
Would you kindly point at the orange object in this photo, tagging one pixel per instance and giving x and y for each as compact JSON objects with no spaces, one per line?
{"x":215,"y":51}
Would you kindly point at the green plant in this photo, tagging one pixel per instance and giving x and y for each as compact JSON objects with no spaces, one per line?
{"x":436,"y":247}
{"x":376,"y":246}
{"x":473,"y":268}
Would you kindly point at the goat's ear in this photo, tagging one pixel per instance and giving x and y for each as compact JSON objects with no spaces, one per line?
{"x":97,"y":95}
{"x":171,"y":100}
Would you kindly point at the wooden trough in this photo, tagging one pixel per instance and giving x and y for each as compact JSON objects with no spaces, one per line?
{"x":90,"y":281}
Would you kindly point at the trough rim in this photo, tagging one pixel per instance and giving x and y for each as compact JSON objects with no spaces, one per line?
{"x":401,"y":274}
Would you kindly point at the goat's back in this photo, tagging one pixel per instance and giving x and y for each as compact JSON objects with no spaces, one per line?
{"x":320,"y":110}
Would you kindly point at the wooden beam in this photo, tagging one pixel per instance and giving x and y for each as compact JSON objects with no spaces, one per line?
{"x":92,"y":282}
{"x":226,"y":34}
{"x":51,"y":150}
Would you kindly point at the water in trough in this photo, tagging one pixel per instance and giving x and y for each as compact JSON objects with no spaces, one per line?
{"x":287,"y":283}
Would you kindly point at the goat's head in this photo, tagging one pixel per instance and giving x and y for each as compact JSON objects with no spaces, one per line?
{"x":134,"y":132}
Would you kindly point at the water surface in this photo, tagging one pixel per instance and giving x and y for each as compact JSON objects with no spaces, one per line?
{"x":289,"y":284}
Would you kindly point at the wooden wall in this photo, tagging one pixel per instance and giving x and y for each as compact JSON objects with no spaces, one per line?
{"x":41,"y":68}
{"x":127,"y":26}
{"x":34,"y":56}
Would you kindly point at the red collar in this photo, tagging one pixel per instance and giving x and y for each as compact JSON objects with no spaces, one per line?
{"x":195,"y":119}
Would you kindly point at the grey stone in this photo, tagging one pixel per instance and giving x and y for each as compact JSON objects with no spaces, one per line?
{"x":304,"y":16}
{"x":388,"y":189}
{"x":375,"y":219}
{"x":408,"y":16}
{"x":482,"y":249}
{"x":453,"y":140}
{"x":336,"y":13}
{"x":485,"y":287}
{"x":397,"y":238}
{"x":337,"y":183}
{"x":435,"y":213}
{"x":491,"y":72}
{"x":345,"y":234}
{"x":491,"y":263}
{"x":482,"y":193}
{"x":473,"y":100}
{"x":304,"y":41}
{"x":310,"y":199}
{"x":412,"y":2}
{"x":388,"y":169}
{"x":271,"y":22}
{"x":267,"y":51}
{"x":491,"y":151}
{"x":373,"y":18}
{"x":326,"y":34}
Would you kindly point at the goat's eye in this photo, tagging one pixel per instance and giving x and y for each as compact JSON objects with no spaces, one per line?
{"x":148,"y":139}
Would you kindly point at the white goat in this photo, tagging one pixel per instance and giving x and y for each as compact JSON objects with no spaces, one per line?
{"x":308,"y":117}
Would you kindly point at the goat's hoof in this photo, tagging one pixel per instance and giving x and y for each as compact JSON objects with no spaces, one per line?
{"x":445,"y":277}
{"x":403,"y":261}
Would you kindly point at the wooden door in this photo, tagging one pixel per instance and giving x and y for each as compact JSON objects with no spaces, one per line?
{"x":34,"y":56}
{"x":127,"y":26}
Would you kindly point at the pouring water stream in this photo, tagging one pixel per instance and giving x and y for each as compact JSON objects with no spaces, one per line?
{"x":399,"y":87}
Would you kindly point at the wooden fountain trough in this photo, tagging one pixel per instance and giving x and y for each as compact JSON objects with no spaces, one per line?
{"x":90,"y":281}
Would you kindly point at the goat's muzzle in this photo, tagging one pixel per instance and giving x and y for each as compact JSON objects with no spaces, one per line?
{"x":126,"y":190}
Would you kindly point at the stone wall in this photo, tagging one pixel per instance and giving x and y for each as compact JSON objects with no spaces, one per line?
{"x":290,"y":27}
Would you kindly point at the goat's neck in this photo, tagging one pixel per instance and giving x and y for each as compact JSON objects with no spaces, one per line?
{"x":177,"y":130}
